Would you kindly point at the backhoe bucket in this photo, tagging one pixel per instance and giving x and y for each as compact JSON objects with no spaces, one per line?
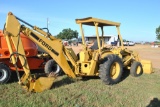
{"x":39,"y":84}
{"x":147,"y":66}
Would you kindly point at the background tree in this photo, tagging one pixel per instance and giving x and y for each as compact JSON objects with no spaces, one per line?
{"x":67,"y":34}
{"x":158,"y":33}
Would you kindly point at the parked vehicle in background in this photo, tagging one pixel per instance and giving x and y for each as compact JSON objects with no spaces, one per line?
{"x":131,"y":43}
{"x":65,"y":42}
{"x":114,"y":43}
{"x":79,"y":40}
{"x":125,"y":43}
{"x":128,"y":43}
{"x":71,"y":42}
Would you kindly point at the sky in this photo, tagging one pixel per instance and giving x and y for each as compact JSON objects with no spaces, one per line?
{"x":139,"y":18}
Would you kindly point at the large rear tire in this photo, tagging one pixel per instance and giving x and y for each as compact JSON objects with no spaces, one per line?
{"x":52,"y":66}
{"x":136,"y":69}
{"x":5,"y":73}
{"x":111,"y":69}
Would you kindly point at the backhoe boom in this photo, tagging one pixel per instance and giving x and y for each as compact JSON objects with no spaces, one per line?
{"x":50,"y":44}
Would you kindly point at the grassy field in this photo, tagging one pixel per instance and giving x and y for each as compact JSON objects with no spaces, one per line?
{"x":130,"y":92}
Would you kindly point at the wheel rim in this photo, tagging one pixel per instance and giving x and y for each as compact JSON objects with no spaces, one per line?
{"x":138,"y":71}
{"x":114,"y":70}
{"x":56,"y":68}
{"x":3,"y":74}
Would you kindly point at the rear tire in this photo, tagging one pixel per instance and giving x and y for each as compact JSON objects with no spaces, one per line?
{"x":111,"y":69}
{"x":136,"y":69}
{"x":5,"y":73}
{"x":52,"y":66}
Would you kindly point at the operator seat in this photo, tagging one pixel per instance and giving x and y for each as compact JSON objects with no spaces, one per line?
{"x":95,"y":45}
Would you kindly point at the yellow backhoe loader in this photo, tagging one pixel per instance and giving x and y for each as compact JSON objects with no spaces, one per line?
{"x":107,"y":63}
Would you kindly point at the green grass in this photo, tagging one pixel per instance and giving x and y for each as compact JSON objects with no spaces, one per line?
{"x":66,"y":92}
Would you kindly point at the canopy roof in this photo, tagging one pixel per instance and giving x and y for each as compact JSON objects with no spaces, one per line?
{"x":90,"y":21}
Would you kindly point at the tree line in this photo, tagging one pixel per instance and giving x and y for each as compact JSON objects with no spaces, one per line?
{"x":158,"y":33}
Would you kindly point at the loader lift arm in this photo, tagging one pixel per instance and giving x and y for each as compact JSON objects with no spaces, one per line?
{"x":50,"y":44}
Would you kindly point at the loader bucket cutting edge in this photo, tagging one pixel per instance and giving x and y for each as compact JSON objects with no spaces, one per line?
{"x":147,"y":66}
{"x":40,"y":84}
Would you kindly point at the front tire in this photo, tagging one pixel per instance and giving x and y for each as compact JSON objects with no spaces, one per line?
{"x":111,"y":69}
{"x":136,"y":69}
{"x":52,"y":66}
{"x":5,"y":73}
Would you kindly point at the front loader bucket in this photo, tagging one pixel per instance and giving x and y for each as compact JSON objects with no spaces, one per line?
{"x":147,"y":66}
{"x":39,"y":84}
